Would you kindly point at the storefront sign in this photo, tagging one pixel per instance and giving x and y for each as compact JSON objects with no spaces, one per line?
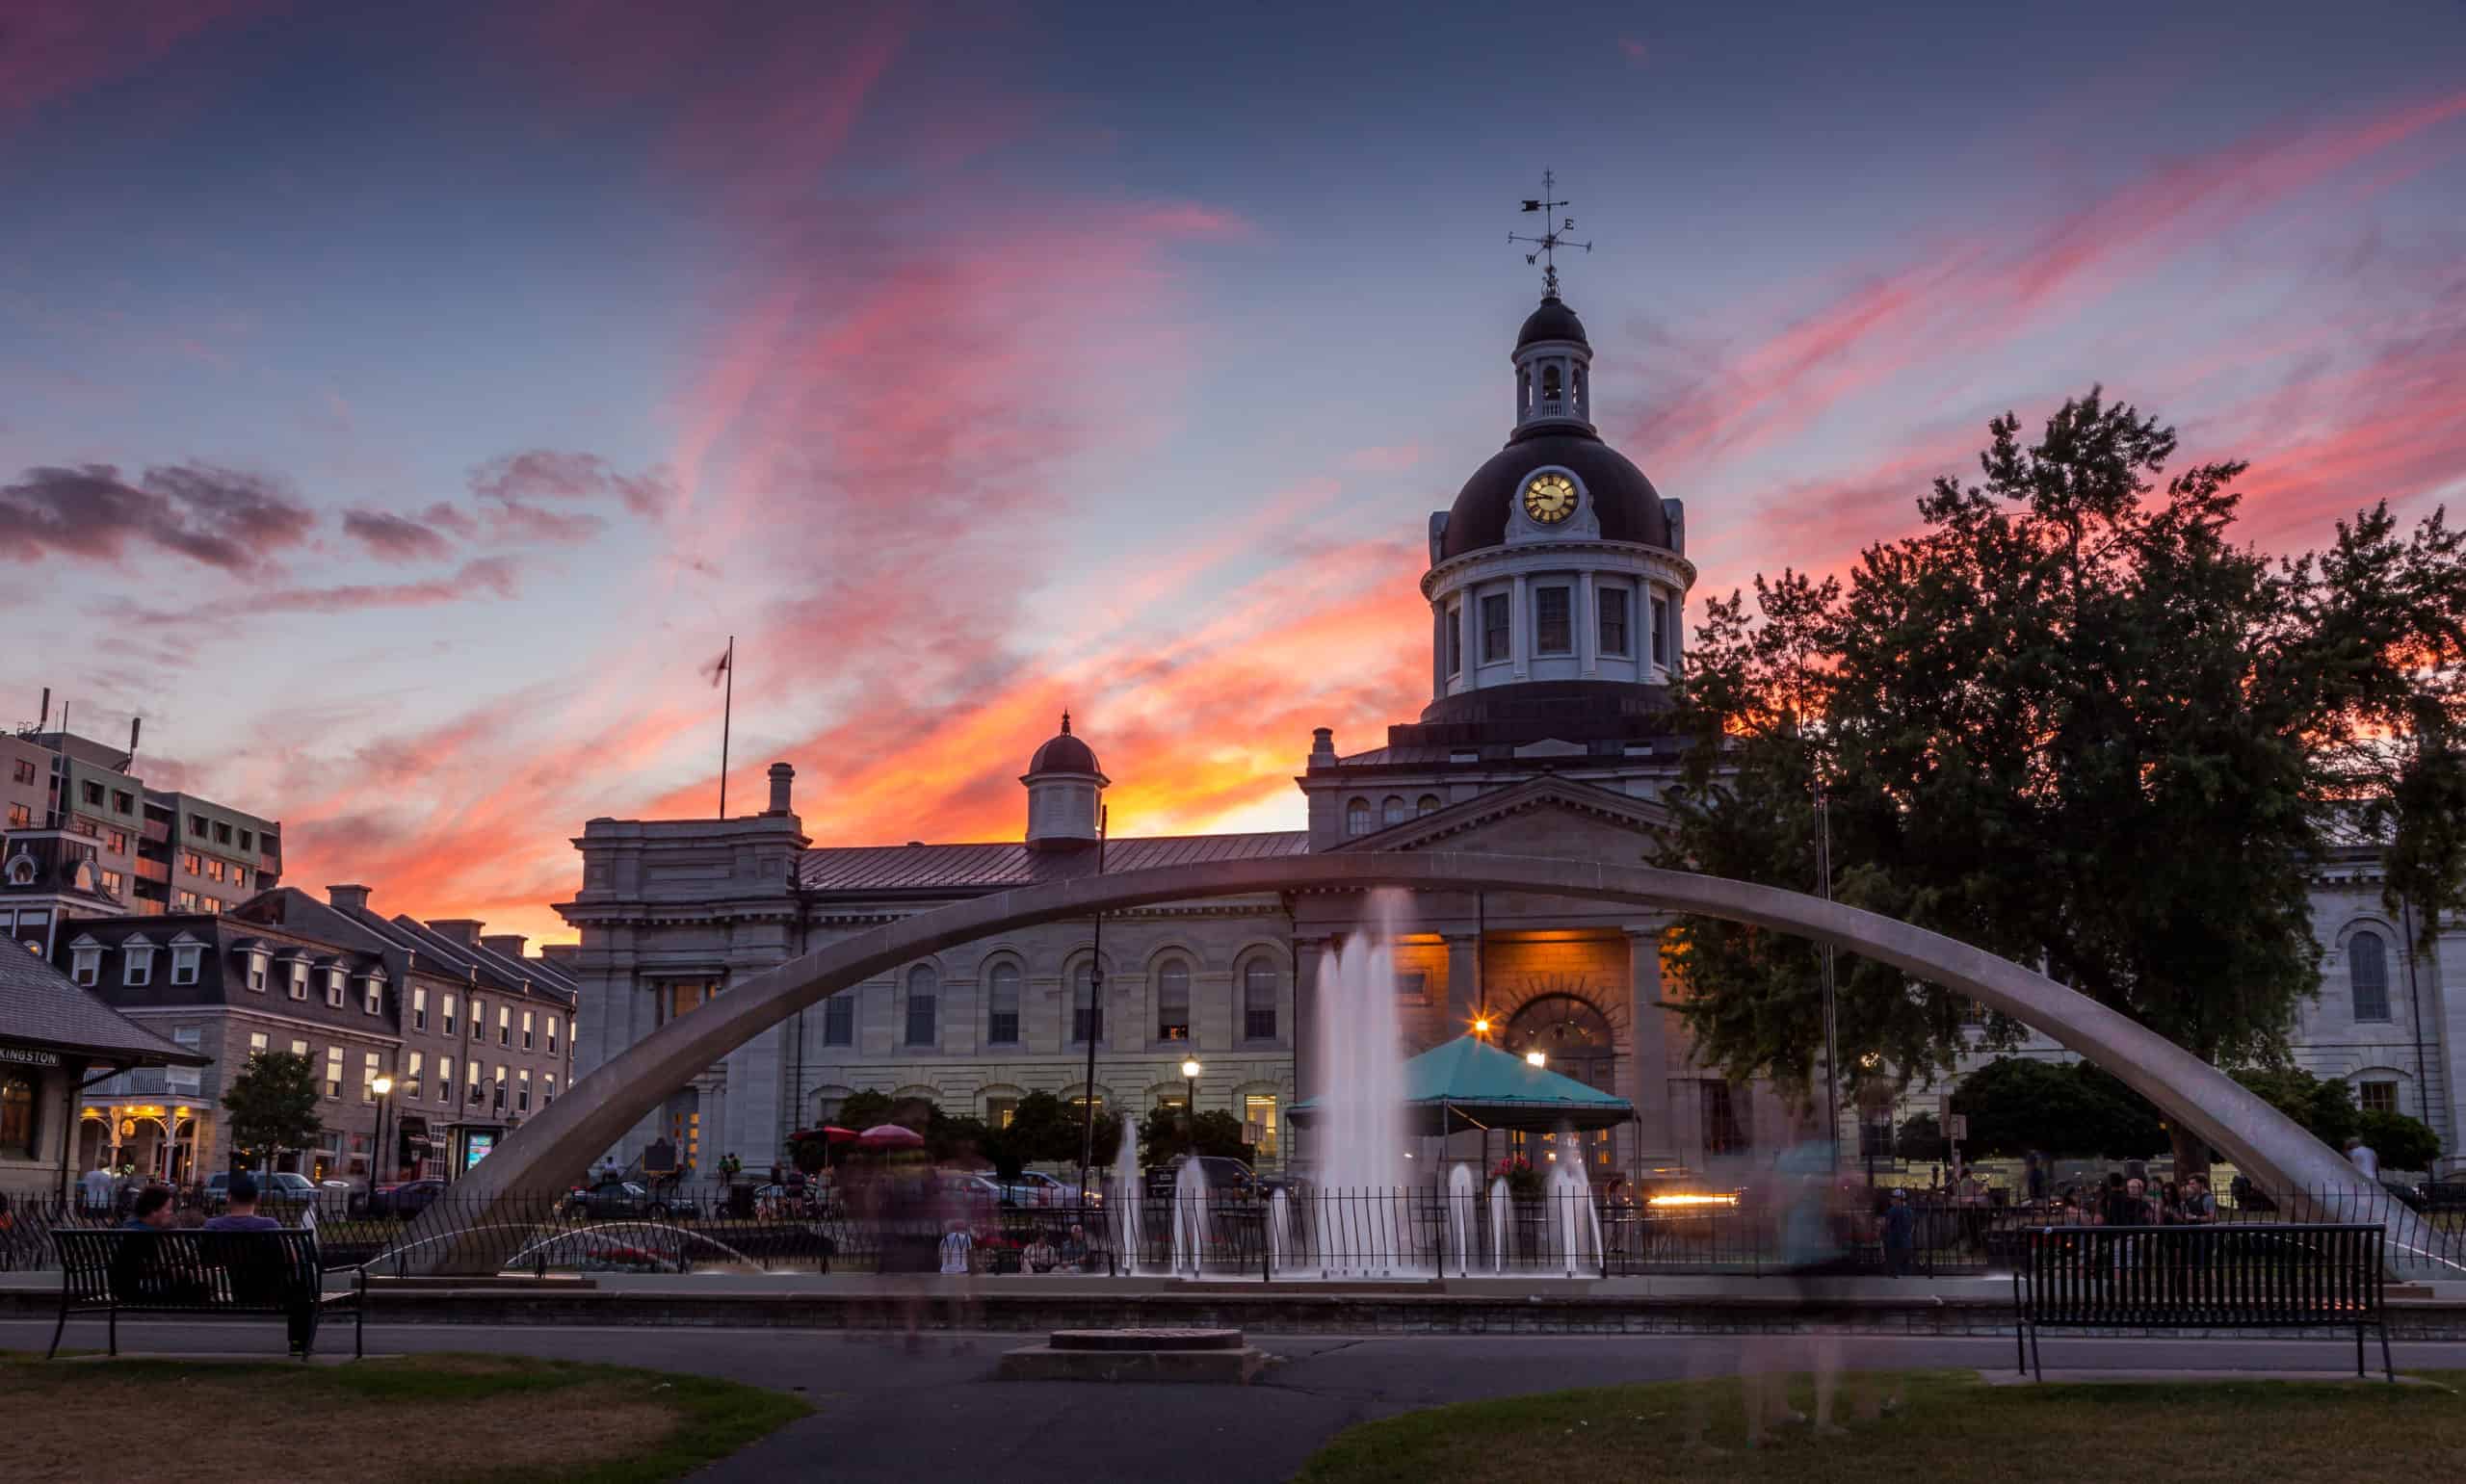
{"x":26,"y":1058}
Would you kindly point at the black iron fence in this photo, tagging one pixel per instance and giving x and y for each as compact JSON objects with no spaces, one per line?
{"x":1300,"y":1232}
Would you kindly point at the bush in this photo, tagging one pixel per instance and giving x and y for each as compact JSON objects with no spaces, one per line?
{"x":2403,"y":1143}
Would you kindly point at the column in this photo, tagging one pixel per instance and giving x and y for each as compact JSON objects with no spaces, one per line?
{"x":1463,"y":981}
{"x":1438,"y":648}
{"x":1645,"y":1071}
{"x":1586,"y":617}
{"x":1468,"y":622}
{"x":1519,"y":627}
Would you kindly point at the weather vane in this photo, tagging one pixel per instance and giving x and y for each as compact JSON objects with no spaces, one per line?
{"x":1552,"y":236}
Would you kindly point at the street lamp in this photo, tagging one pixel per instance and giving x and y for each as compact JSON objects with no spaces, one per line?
{"x":1534,"y":1057}
{"x":383,"y":1086}
{"x":1482,"y":1026}
{"x":1190,"y":1098}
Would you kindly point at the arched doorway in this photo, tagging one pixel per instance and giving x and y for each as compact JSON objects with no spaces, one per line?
{"x":1573,"y":1038}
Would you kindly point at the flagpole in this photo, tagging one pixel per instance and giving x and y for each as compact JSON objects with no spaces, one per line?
{"x":727,"y":711}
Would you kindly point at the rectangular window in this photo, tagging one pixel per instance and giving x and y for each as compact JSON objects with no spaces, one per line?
{"x":114,"y":884}
{"x":257,"y":973}
{"x":1665,"y":649}
{"x":1412,"y":989}
{"x":419,"y":1007}
{"x":553,"y":1021}
{"x":449,"y":1015}
{"x":197,"y":828}
{"x":445,"y":1080}
{"x":240,"y":875}
{"x":93,"y":792}
{"x":1613,"y":602}
{"x":247,"y":840}
{"x":471,"y":1082}
{"x":1725,"y":1127}
{"x":21,"y":816}
{"x":1087,"y":1015}
{"x":185,"y":959}
{"x":123,"y":802}
{"x":1455,"y":640}
{"x":368,"y":1078}
{"x":525,"y":1030}
{"x":522,"y":1091}
{"x":505,"y":1025}
{"x":1496,"y":635}
{"x":999,"y":1111}
{"x":141,"y":966}
{"x":1258,"y":1117}
{"x":547,"y":1088}
{"x":372,"y":996}
{"x":1258,"y":1001}
{"x":335,"y":988}
{"x":478,"y":1017}
{"x":2376,"y":1097}
{"x":299,"y":1049}
{"x":185,"y":1080}
{"x":498,"y":1105}
{"x":1553,"y":633}
{"x":920,"y":1016}
{"x":256,"y":1043}
{"x":117,"y":840}
{"x":333,"y":1071}
{"x":192,"y":862}
{"x":413,"y":1064}
{"x":86,"y":827}
{"x":213,"y":868}
{"x":222,"y":834}
{"x":839,"y":1019}
{"x":23,"y":770}
{"x":86,"y":966}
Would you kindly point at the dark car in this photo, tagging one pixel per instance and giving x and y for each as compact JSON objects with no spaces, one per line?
{"x":626,"y":1198}
{"x":282,"y":1195}
{"x":1228,"y":1179}
{"x":404,"y":1201}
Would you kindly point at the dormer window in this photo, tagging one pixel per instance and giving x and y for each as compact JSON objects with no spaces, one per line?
{"x":257,"y":971}
{"x":298,"y":978}
{"x":335,"y":987}
{"x":185,"y":960}
{"x":372,"y":995}
{"x":86,"y":962}
{"x":140,"y":966}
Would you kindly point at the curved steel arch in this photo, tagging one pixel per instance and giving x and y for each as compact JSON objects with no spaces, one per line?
{"x":556,"y":1144}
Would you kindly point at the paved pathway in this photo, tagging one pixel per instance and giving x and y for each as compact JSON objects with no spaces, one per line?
{"x":884,"y":1414}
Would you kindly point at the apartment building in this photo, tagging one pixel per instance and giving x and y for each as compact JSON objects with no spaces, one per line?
{"x":156,"y":850}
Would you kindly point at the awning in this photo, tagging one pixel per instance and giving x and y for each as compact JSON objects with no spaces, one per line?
{"x":1469,"y":1084}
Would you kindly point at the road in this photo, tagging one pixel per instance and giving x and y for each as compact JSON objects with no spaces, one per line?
{"x":885,"y":1414}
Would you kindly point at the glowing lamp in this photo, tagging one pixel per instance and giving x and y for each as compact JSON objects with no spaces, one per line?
{"x":1534,"y":1058}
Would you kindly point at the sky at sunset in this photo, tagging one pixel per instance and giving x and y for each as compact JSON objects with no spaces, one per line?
{"x":399,"y":405}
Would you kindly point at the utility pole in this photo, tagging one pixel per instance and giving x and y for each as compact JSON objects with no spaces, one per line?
{"x":1824,"y":952}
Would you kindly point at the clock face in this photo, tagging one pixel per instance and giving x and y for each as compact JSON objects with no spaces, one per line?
{"x":1549,"y":498}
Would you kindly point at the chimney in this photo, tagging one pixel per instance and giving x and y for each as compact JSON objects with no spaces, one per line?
{"x":1323,"y":746}
{"x":464,"y":931}
{"x":562,"y":954}
{"x":348,"y":898}
{"x":506,"y":945}
{"x":781,"y":776}
{"x":135,"y":724}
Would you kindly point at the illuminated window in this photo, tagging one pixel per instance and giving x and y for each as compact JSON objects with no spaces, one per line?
{"x":17,"y":1125}
{"x":448,"y":1010}
{"x":419,"y":1007}
{"x":525,"y":1030}
{"x":999,"y":1111}
{"x":413,"y":1064}
{"x":445,"y":1080}
{"x":1258,"y":1108}
{"x":333,"y":1071}
{"x":522,"y":1091}
{"x":368,"y":1073}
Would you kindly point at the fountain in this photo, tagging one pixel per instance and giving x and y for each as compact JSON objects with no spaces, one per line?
{"x":1361,"y":1107}
{"x":1573,"y":1218}
{"x":1460,"y":1228}
{"x":1193,"y":1222}
{"x":1279,"y":1225}
{"x":1127,"y":1231}
{"x":1501,"y":1221}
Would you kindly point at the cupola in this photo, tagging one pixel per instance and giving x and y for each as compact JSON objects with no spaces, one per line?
{"x":1064,"y":786}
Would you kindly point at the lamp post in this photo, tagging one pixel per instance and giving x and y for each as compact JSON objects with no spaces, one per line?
{"x":383,"y":1084}
{"x":1535,"y":1057}
{"x":1190,"y":1102}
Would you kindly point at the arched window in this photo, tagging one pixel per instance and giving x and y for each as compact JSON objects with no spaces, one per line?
{"x":1393,"y":811}
{"x":1173,"y":1000}
{"x":17,"y":1117}
{"x":923,"y":989}
{"x":2368,"y":969}
{"x":1358,"y":816}
{"x":1550,"y":384}
{"x":1086,"y":1016}
{"x":1427,"y":806}
{"x":1259,"y":996}
{"x":1001,"y":1004}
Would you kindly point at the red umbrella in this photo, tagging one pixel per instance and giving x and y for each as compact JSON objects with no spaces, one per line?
{"x":889,"y":1136}
{"x":839,"y":1135}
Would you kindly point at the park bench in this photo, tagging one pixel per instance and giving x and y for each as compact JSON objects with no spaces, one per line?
{"x":2264,"y":1275}
{"x":199,"y":1275}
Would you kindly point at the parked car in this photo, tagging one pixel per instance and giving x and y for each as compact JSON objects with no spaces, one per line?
{"x":1228,"y":1179}
{"x":403,"y":1201}
{"x":1051,"y":1191}
{"x":618,"y":1198}
{"x":980,"y":1192}
{"x":282,"y":1195}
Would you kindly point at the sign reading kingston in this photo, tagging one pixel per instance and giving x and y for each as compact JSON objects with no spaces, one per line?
{"x":28,"y":1057}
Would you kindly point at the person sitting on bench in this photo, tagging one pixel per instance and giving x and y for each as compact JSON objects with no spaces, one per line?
{"x":253,"y":1277}
{"x":138,"y":1273}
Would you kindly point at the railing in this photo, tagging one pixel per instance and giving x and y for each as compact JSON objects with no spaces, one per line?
{"x":1304,"y":1233}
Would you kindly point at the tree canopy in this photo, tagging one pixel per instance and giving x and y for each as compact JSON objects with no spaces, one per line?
{"x":273,"y":1106}
{"x":2069,"y":720}
{"x":2017,"y":1105}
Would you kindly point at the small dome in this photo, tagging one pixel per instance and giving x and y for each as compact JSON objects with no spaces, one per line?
{"x":1553,"y":321}
{"x":1063,"y":754}
{"x":1624,"y":502}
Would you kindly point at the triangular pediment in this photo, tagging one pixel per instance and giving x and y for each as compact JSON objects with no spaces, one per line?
{"x":1546,"y":816}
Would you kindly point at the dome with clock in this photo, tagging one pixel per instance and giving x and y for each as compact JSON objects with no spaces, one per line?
{"x":1558,"y":578}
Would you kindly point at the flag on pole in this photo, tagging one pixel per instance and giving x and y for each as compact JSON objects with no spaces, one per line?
{"x":717,"y":669}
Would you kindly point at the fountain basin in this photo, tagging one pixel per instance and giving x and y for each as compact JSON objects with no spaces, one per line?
{"x":1195,"y":1354}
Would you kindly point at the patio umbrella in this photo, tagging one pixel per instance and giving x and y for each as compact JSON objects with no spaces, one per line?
{"x":839,"y":1135}
{"x":889,"y":1136}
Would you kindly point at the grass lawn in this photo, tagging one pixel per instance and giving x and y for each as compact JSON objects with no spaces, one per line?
{"x":424,"y":1417}
{"x":1952,"y":1426}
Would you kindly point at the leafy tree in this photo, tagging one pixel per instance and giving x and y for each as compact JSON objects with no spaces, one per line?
{"x":864,"y":1110}
{"x":2072,"y":723}
{"x":2322,"y":1105}
{"x":273,"y":1106}
{"x":1045,"y":1127}
{"x":1164,"y":1133}
{"x":2016,"y":1104}
{"x":1921,"y":1137}
{"x":2403,"y":1143}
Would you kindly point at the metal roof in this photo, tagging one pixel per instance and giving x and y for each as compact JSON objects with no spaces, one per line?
{"x":41,"y":1006}
{"x":992,"y":866}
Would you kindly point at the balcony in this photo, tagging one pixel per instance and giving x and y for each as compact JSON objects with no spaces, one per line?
{"x":155,"y":870}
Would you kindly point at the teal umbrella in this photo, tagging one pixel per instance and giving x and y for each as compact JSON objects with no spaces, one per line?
{"x":1469,"y":1084}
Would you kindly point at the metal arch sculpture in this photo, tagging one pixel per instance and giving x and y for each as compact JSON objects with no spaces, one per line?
{"x":556,"y":1144}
